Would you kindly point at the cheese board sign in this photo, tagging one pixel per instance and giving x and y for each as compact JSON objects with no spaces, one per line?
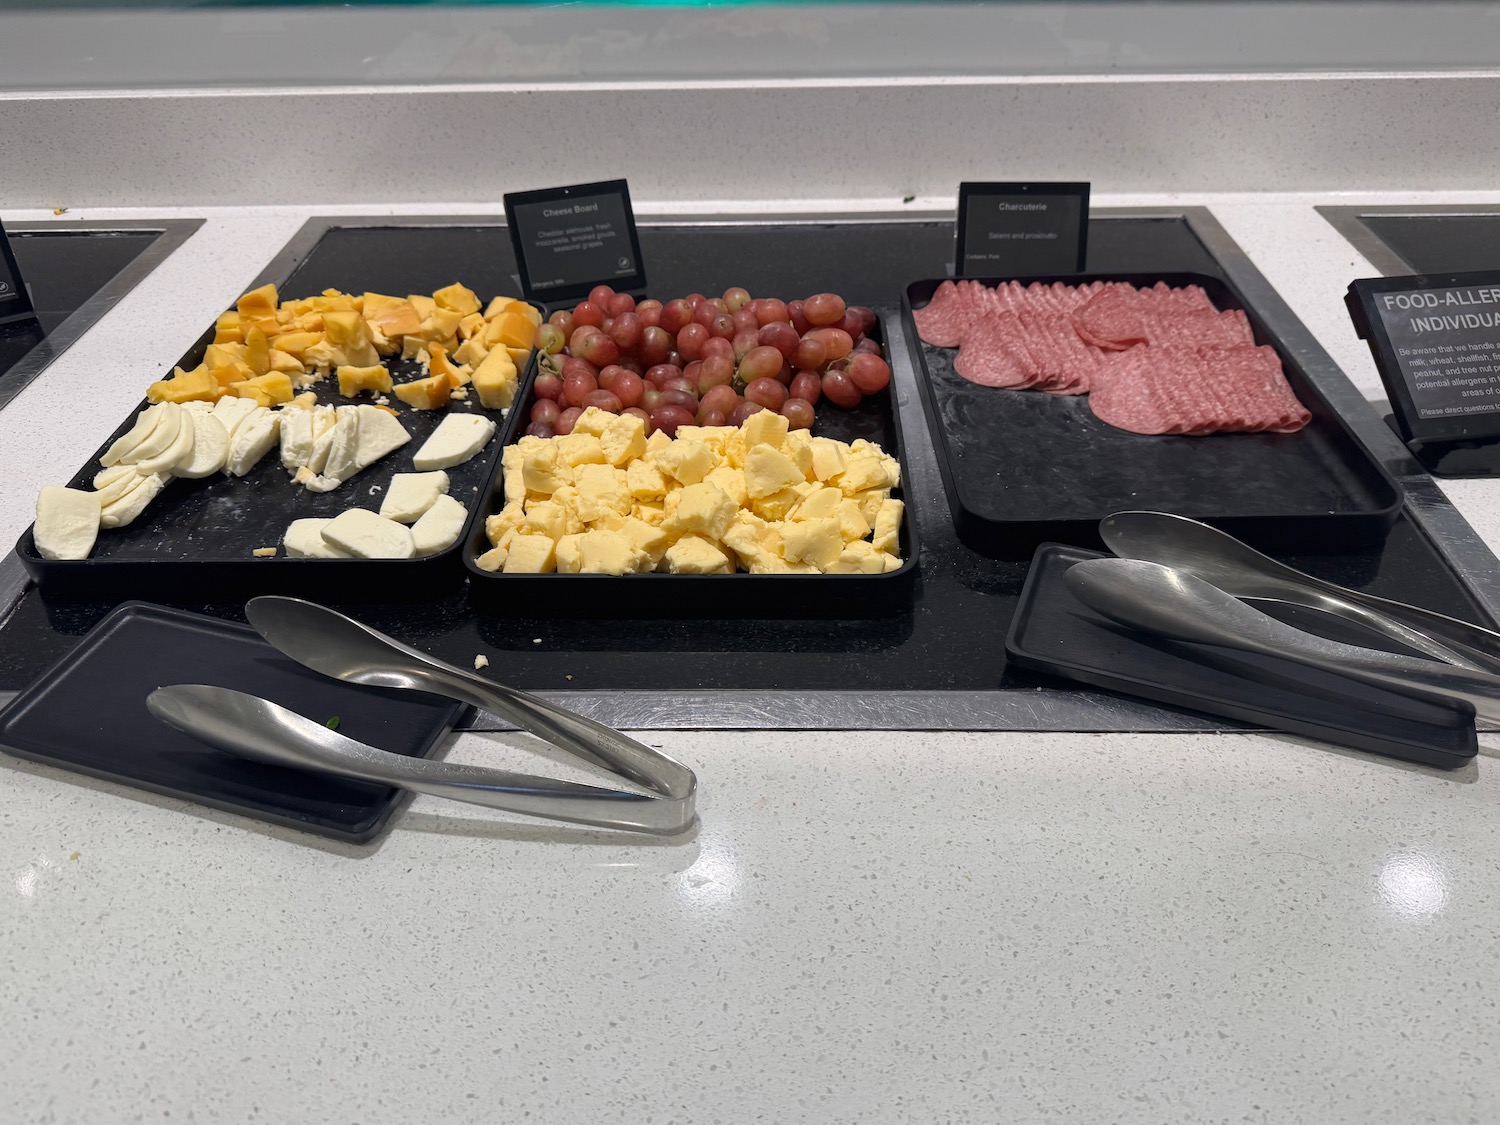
{"x":1436,"y":342}
{"x":1016,"y":229}
{"x":15,"y":301}
{"x":570,"y":239}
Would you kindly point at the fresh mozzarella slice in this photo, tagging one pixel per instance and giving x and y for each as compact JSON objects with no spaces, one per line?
{"x":178,"y":453}
{"x":161,"y":438}
{"x":342,"y":462}
{"x":367,"y":536}
{"x":198,"y":406}
{"x":210,"y":448}
{"x":115,"y":472}
{"x":252,"y":439}
{"x":439,"y":527}
{"x":296,"y":438}
{"x":67,"y":522}
{"x":457,"y":438}
{"x":380,"y":433}
{"x":133,"y":503}
{"x":146,"y":421}
{"x":411,"y":494}
{"x":232,"y":410}
{"x":304,"y":540}
{"x":116,"y":487}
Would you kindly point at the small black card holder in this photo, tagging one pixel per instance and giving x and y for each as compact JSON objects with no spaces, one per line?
{"x":15,"y":298}
{"x":1470,"y":448}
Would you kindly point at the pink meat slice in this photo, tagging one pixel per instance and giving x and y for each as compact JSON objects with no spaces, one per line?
{"x":942,"y":322}
{"x":988,"y":357}
{"x":1125,"y":396}
{"x":1112,"y":319}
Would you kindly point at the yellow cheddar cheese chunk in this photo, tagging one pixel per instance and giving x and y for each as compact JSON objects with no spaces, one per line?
{"x":495,"y":379}
{"x":457,"y":298}
{"x":426,"y":394}
{"x":530,"y":554}
{"x":353,"y":380}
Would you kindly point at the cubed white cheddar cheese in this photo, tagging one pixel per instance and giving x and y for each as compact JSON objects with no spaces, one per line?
{"x":768,"y":470}
{"x":531,"y":554}
{"x":610,"y":552}
{"x":366,"y":535}
{"x":439,"y":527}
{"x":685,"y":461}
{"x":693,"y":554}
{"x":67,"y":522}
{"x":493,"y":559}
{"x":593,"y":421}
{"x":544,"y":471}
{"x":304,"y":540}
{"x":601,"y":488}
{"x":798,"y":449}
{"x":644,"y":480}
{"x":569,"y":558}
{"x":865,"y":471}
{"x":764,"y":427}
{"x":648,"y":537}
{"x":409,"y":495}
{"x":704,"y":509}
{"x":816,"y":541}
{"x":852,"y":523}
{"x":888,"y":527}
{"x":830,"y":458}
{"x":549,"y":518}
{"x":732,"y":481}
{"x":623,"y":439}
{"x":506,"y":519}
{"x":581,"y":449}
{"x":822,"y":503}
{"x":457,"y":438}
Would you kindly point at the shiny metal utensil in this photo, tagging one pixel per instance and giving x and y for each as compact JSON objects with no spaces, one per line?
{"x":258,"y":729}
{"x":328,"y":642}
{"x":1221,"y":559}
{"x":1172,"y":603}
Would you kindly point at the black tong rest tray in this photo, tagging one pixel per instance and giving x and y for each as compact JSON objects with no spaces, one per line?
{"x":1053,"y":632}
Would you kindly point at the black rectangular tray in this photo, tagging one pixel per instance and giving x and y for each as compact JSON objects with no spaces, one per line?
{"x":709,"y":595}
{"x":87,"y":713}
{"x":196,"y":539}
{"x":1020,"y":468}
{"x":1053,"y":632}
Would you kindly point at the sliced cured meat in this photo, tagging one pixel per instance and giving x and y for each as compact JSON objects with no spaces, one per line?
{"x":1111,"y":320}
{"x":942,"y":321}
{"x":988,"y":357}
{"x":1123,"y":394}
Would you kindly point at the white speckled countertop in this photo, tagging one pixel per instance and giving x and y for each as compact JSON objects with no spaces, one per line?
{"x":895,"y":927}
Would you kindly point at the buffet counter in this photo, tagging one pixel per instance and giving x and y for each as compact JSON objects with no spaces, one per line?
{"x":864,"y":925}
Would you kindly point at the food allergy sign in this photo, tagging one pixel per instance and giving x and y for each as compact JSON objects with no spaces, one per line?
{"x":1018,"y":229}
{"x":1436,"y":341}
{"x":570,"y":239}
{"x":15,"y":302}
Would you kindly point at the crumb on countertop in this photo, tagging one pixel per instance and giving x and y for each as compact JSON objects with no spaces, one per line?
{"x":263,"y":552}
{"x":481,"y":661}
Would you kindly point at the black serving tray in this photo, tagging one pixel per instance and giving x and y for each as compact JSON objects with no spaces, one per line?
{"x":1021,"y":468}
{"x":195,"y":540}
{"x":1053,"y":632}
{"x":710,"y":595}
{"x":87,"y":713}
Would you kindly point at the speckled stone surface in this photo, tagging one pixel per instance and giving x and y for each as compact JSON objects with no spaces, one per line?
{"x":1163,"y":930}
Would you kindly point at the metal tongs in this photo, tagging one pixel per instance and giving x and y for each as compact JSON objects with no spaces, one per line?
{"x":338,"y":646}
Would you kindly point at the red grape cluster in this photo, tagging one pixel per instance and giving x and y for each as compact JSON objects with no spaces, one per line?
{"x":712,"y":361}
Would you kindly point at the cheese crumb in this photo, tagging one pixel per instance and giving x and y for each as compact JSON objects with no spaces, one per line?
{"x":263,"y":552}
{"x":481,"y":661}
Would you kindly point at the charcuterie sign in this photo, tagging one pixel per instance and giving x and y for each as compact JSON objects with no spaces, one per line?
{"x":1010,"y":230}
{"x":15,"y":302}
{"x":570,"y":239}
{"x":1436,"y":342}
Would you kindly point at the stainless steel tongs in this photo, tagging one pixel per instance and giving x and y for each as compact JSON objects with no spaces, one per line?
{"x":337,"y":646}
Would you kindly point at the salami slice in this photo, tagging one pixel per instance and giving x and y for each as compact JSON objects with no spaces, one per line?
{"x":1111,"y":320}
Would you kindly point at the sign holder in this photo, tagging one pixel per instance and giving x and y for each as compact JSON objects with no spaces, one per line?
{"x":15,"y":298}
{"x":1436,"y":343}
{"x":570,"y":239}
{"x":1018,"y":229}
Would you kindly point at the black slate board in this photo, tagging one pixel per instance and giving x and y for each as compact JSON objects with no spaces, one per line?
{"x":1053,"y":632}
{"x":198,"y":537}
{"x":1020,"y":468}
{"x":88,"y":713}
{"x":711,"y":595}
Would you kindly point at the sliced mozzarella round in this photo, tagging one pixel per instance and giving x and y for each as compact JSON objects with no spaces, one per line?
{"x":179,"y":452}
{"x":439,"y":527}
{"x":67,"y":523}
{"x":117,"y":486}
{"x":367,"y":536}
{"x":304,"y":540}
{"x":161,"y":438}
{"x":210,"y":448}
{"x":145,"y":422}
{"x":133,"y":503}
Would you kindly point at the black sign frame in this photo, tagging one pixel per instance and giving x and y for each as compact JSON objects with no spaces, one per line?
{"x":1022,"y":192}
{"x":1362,"y":301}
{"x":574,"y":290}
{"x":15,"y":306}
